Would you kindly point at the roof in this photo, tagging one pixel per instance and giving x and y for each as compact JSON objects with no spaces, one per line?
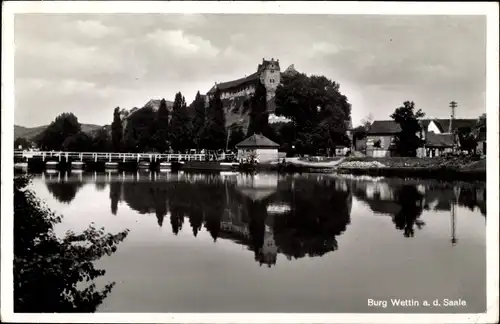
{"x":257,"y":140}
{"x":439,"y":140}
{"x":391,"y":127}
{"x":155,"y":104}
{"x":444,"y":124}
{"x":384,"y":127}
{"x":265,"y":63}
{"x":235,"y":83}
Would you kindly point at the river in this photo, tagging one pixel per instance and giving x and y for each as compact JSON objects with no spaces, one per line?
{"x":318,"y":243}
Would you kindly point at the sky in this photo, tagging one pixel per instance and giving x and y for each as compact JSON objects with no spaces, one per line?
{"x":88,"y":64}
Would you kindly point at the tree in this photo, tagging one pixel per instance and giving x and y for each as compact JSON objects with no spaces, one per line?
{"x":468,"y":138}
{"x":180,"y":125}
{"x":214,"y":133}
{"x":101,"y":141}
{"x":236,"y":136}
{"x":407,"y":141}
{"x":117,"y":130}
{"x":64,"y":126}
{"x":79,"y":142}
{"x":314,"y":104}
{"x":367,"y":122}
{"x":331,"y":130}
{"x":22,"y":142}
{"x":161,"y":137}
{"x":52,"y":274}
{"x":140,"y":130}
{"x":198,"y":112}
{"x":259,"y":116}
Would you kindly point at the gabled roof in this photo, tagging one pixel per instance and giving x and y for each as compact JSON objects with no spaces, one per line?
{"x":257,"y":140}
{"x":155,"y":104}
{"x":444,"y":124}
{"x":235,"y":83}
{"x":439,"y":140}
{"x":391,"y":127}
{"x":384,"y":127}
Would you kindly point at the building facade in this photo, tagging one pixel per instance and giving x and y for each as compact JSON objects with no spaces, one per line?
{"x":237,"y":93}
{"x":259,"y":148}
{"x":438,"y":135}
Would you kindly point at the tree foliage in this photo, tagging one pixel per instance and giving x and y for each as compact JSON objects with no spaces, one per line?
{"x":64,"y":126}
{"x":318,"y":110}
{"x":236,"y":135}
{"x":101,"y":141}
{"x":22,"y":142}
{"x":214,"y":133}
{"x":53,"y":274}
{"x":259,"y":116}
{"x":199,"y":117}
{"x":140,"y":130}
{"x":180,"y":125}
{"x":468,"y":138}
{"x":407,"y":141}
{"x":79,"y":142}
{"x":117,"y":130}
{"x":161,"y":136}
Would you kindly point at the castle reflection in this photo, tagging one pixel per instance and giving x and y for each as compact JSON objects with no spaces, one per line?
{"x":295,"y":216}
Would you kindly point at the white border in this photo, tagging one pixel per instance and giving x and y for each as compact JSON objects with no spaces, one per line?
{"x":393,"y":8}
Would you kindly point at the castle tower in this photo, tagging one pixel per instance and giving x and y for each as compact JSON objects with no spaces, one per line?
{"x":270,"y":76}
{"x":269,"y":250}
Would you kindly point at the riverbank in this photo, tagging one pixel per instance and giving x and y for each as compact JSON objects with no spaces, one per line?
{"x":456,"y":168}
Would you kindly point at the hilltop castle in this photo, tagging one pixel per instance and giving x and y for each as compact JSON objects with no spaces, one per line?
{"x":234,"y":93}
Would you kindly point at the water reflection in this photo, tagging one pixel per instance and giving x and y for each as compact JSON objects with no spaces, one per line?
{"x":271,"y":214}
{"x":191,"y":232}
{"x":406,"y":202}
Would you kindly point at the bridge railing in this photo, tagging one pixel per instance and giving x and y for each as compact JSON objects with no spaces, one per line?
{"x":113,"y":156}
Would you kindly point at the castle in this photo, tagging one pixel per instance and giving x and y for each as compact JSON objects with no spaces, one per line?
{"x":234,"y":93}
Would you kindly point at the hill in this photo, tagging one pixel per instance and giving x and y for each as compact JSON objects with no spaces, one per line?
{"x":31,"y":132}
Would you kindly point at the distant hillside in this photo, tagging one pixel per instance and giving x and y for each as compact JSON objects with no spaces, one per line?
{"x":31,"y":132}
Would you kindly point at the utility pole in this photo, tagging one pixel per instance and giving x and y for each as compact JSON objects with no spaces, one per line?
{"x":453,"y":105}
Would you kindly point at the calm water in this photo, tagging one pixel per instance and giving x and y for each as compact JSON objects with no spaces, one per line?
{"x":263,"y":243}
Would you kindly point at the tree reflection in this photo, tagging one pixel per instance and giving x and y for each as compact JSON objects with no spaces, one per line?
{"x":115,"y":193}
{"x":319,"y":212}
{"x":411,"y":203}
{"x":53,"y":274}
{"x":64,"y":191}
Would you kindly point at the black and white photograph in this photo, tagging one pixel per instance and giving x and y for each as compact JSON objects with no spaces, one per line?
{"x":249,"y":162}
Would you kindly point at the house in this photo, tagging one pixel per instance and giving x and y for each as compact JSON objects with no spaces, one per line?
{"x":380,"y":138}
{"x":438,"y":144}
{"x":438,"y":135}
{"x":259,"y":147}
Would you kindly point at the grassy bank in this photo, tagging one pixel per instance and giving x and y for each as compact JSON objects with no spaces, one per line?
{"x":456,"y":163}
{"x":456,"y":168}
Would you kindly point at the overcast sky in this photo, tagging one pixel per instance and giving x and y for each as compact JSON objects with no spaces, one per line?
{"x":88,"y":64}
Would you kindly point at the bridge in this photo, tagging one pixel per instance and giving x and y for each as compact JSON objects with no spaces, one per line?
{"x":118,"y":157}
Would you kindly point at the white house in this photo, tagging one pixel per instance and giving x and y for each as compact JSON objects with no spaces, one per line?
{"x":258,"y":147}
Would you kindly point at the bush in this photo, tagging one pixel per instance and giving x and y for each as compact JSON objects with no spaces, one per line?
{"x":53,"y":274}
